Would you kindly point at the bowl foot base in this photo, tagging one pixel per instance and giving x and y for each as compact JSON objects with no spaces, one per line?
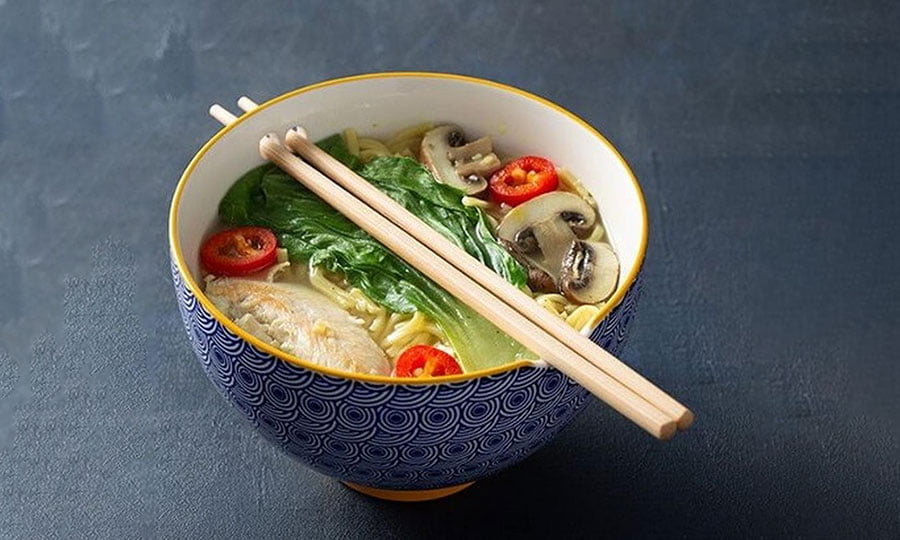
{"x":404,"y":495}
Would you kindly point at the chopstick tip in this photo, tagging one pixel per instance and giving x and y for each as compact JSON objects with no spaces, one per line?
{"x":268,"y":145}
{"x":297,"y":131}
{"x":221,"y":114}
{"x":686,"y":420}
{"x":667,"y":431}
{"x":246,"y":104}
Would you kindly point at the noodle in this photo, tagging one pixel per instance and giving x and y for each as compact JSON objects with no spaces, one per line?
{"x":275,"y":271}
{"x":369,"y":155}
{"x":407,"y":141}
{"x":583,"y":317}
{"x":578,"y":316}
{"x":598,"y":234}
{"x":372,"y":148}
{"x":385,"y":325}
{"x":552,"y":302}
{"x":416,"y":330}
{"x":351,"y":140}
{"x":393,"y":332}
{"x":405,"y":148}
{"x":475,"y":201}
{"x":367,"y":143}
{"x":336,"y":294}
{"x":568,"y":182}
{"x":411,"y":132}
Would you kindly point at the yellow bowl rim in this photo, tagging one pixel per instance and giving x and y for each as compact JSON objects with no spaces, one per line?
{"x":191,"y":284}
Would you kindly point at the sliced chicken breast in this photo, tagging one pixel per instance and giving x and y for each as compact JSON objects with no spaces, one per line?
{"x":299,"y":321}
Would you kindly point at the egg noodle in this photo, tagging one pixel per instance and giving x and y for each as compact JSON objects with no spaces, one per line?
{"x":395,"y":332}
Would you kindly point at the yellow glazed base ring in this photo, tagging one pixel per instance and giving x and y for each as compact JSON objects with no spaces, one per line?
{"x":403,"y":495}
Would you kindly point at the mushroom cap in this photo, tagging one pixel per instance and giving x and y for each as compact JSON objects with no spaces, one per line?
{"x":590,"y":272}
{"x":435,"y":154}
{"x":575,"y":211}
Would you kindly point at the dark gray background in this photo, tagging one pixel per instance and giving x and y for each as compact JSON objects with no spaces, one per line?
{"x":766,"y":137}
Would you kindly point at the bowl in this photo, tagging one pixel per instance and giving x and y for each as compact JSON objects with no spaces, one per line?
{"x":385,"y":437}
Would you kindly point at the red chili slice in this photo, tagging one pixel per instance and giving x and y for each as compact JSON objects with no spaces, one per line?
{"x":422,"y":361}
{"x":523,"y":179}
{"x":238,"y":252}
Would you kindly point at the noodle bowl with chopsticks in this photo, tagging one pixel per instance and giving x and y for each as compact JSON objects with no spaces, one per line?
{"x":401,"y":438}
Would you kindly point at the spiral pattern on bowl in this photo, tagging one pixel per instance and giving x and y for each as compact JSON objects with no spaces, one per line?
{"x":392,"y":436}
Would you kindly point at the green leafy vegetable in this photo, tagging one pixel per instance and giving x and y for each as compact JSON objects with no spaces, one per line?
{"x":441,"y":207}
{"x":313,"y":231}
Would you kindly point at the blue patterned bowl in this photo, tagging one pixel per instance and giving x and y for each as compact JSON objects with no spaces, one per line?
{"x":382,"y":437}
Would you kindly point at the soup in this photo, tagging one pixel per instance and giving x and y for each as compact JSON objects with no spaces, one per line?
{"x":297,"y":274}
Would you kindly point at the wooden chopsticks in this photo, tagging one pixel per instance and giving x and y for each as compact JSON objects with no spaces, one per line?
{"x":369,"y":194}
{"x":487,"y":293}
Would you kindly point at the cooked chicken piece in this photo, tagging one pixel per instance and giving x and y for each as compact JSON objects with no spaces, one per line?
{"x":299,"y":321}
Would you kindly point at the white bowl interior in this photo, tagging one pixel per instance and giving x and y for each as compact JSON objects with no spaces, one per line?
{"x":381,"y":105}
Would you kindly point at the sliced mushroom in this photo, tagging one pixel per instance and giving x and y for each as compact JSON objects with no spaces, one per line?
{"x":553,"y":237}
{"x":456,"y":138}
{"x":484,"y":166}
{"x":435,"y":148}
{"x":466,"y":152}
{"x":590,"y":272}
{"x":543,"y":234}
{"x":544,"y":228}
{"x":463,"y":166}
{"x":578,"y":215}
{"x":538,"y":280}
{"x":476,"y":157}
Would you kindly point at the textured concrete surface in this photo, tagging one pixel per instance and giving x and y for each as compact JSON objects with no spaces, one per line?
{"x":765,"y":134}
